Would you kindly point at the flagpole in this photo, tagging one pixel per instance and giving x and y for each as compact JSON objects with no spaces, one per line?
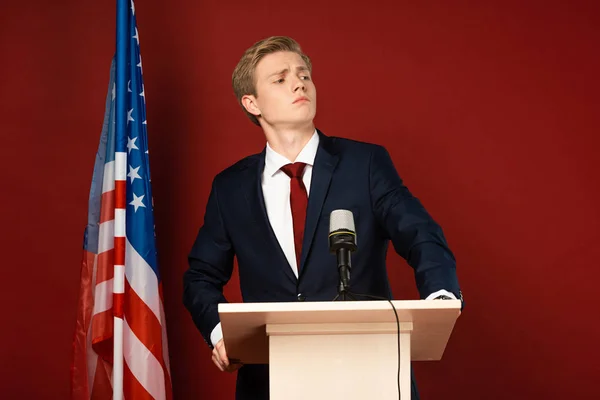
{"x":120,"y":196}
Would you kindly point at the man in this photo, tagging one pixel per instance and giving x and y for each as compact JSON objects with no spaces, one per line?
{"x":271,"y":211}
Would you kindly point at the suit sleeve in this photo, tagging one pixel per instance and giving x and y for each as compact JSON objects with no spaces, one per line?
{"x":210,"y":267}
{"x":416,"y":237}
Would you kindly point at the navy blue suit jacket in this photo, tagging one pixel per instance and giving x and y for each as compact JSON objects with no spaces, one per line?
{"x":347,"y":174}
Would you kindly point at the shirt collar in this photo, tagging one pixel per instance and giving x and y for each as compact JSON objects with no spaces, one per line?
{"x":274,"y":161}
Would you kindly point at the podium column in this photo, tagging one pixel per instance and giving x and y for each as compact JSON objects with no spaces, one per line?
{"x":339,"y":360}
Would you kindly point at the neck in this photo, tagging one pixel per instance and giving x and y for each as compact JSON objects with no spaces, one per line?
{"x":289,"y":142}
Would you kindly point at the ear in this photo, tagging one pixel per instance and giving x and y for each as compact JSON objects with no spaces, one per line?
{"x":250,"y":104}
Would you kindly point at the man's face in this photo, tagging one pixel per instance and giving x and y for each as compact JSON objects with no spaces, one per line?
{"x":286,"y":95}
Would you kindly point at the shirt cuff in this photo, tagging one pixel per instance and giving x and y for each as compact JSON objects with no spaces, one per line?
{"x":216,"y":334}
{"x":436,"y":294}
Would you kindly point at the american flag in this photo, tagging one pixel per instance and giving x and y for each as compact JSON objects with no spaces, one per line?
{"x":120,"y":344}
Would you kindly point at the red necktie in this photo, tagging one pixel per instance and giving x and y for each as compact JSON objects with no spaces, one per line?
{"x":298,"y":202}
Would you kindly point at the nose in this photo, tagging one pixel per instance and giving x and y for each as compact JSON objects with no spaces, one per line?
{"x":299,"y":85}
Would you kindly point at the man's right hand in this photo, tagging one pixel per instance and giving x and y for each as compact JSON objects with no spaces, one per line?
{"x":219,"y":357}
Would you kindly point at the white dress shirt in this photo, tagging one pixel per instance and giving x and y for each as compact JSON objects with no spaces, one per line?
{"x":276,"y":192}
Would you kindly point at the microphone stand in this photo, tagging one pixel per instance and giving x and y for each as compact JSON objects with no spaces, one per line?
{"x":344,"y":268}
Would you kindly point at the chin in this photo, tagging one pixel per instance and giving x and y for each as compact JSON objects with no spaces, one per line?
{"x":305,"y":118}
{"x":300,"y":123}
{"x":296,"y":121}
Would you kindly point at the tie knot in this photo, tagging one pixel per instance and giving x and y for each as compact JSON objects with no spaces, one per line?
{"x":294,"y":170}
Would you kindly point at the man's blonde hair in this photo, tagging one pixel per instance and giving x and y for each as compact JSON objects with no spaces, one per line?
{"x":243,"y":75}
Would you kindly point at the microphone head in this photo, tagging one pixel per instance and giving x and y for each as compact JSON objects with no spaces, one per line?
{"x":341,"y":220}
{"x":342,"y":233}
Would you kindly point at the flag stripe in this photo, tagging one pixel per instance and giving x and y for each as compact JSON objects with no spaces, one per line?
{"x":108,"y":183}
{"x":119,"y":285}
{"x":143,"y":323}
{"x":120,"y":215}
{"x":107,"y":212}
{"x":120,"y":250}
{"x":120,"y":187}
{"x":102,"y":326}
{"x":142,"y":279}
{"x":103,"y":296}
{"x":105,"y":270}
{"x":132,"y":388}
{"x":119,"y":300}
{"x":120,"y":166}
{"x":105,"y":236}
{"x":102,"y":334}
{"x":142,"y":364}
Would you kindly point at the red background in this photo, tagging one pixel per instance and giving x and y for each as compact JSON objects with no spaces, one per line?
{"x":490,"y":110}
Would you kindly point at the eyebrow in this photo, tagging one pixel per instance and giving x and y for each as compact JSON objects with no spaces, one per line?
{"x":286,"y":70}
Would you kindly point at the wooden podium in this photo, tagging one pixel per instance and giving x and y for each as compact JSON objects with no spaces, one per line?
{"x":345,"y":349}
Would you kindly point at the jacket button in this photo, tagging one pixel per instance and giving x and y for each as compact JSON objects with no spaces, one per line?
{"x":301,"y":297}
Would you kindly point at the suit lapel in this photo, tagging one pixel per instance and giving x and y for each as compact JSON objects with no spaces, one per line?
{"x":256,"y":204}
{"x":325,"y":162}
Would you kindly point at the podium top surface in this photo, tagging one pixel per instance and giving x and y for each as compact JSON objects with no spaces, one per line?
{"x":244,"y":324}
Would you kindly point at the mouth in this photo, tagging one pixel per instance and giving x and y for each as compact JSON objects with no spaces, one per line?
{"x":300,"y":100}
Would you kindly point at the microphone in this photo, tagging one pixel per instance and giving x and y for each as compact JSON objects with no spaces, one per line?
{"x":342,"y":242}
